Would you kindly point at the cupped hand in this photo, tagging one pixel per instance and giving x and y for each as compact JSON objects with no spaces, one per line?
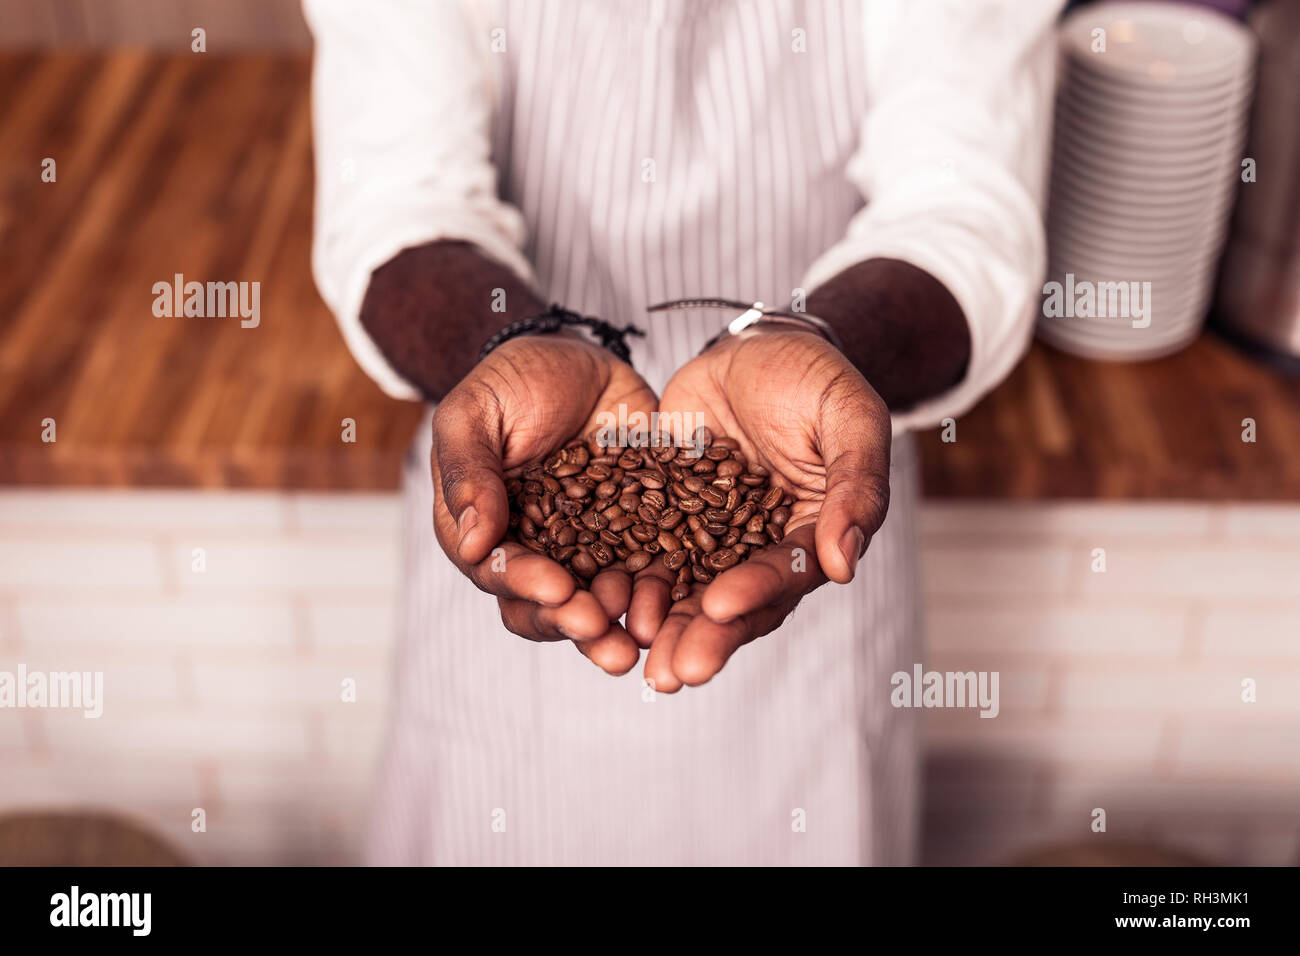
{"x":521,"y":403}
{"x":801,"y":410}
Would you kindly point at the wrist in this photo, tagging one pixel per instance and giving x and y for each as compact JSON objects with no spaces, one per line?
{"x":556,"y":319}
{"x":752,"y":316}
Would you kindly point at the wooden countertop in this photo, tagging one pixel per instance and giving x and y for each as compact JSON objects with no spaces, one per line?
{"x":201,"y":165}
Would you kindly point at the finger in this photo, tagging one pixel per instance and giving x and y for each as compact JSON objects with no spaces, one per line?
{"x":651,"y":599}
{"x":512,"y":571}
{"x":659,"y":662}
{"x":855,"y":447}
{"x":704,"y":646}
{"x":613,"y":589}
{"x":467,"y":472}
{"x":776,"y":575}
{"x":579,"y":619}
{"x":614,"y":652}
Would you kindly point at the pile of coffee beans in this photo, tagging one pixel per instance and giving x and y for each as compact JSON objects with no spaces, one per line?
{"x":700,"y":508}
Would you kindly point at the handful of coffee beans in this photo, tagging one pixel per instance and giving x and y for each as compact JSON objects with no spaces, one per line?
{"x":701,"y":508}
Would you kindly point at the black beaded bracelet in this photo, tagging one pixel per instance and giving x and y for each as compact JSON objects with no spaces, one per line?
{"x":556,"y":317}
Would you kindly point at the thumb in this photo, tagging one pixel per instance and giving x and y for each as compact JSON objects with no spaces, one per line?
{"x":855,"y":448}
{"x":467,"y":472}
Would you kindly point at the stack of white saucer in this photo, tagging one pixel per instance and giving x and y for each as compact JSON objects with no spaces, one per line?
{"x":1151,"y":118}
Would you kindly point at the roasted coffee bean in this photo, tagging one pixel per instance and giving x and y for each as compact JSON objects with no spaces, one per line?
{"x":681,"y":592}
{"x":655,"y":499}
{"x":591,"y":506}
{"x":583,"y":563}
{"x":639,"y":561}
{"x":743,"y":513}
{"x":723,"y":558}
{"x":712,"y":497}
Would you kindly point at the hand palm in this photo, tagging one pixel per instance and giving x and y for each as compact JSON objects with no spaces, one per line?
{"x":800,"y":410}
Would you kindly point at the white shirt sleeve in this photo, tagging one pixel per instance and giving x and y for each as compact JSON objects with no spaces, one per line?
{"x":953,"y":168}
{"x":402,"y":104}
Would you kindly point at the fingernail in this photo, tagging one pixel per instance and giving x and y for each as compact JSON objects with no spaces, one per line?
{"x":851,"y":546}
{"x":563,"y":630}
{"x":465,"y":524}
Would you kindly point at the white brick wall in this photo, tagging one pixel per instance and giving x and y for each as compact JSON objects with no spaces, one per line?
{"x":1119,"y":690}
{"x":1143,"y":662}
{"x":223,"y":689}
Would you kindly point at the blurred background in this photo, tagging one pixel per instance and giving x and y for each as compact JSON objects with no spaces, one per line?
{"x":179,"y":508}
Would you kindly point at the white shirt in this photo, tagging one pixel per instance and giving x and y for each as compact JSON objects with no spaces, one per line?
{"x":945,"y":103}
{"x":620,"y":153}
